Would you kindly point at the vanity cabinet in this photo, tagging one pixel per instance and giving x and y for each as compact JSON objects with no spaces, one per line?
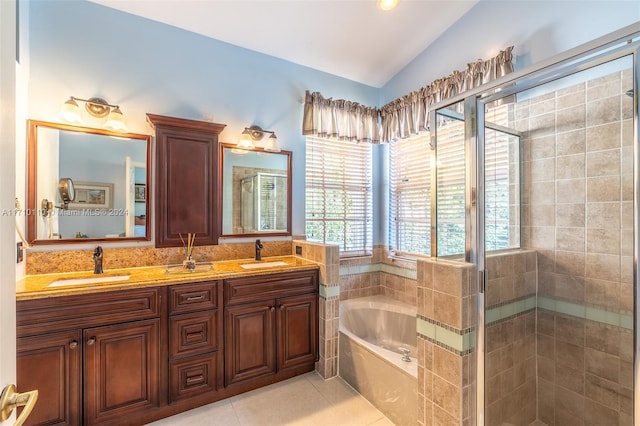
{"x":51,"y":363}
{"x":93,"y":358}
{"x":271,"y":325}
{"x":186,"y":179}
{"x":135,"y":356}
{"x":195,"y":333}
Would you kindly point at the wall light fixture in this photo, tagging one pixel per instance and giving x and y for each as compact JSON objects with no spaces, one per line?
{"x":256,"y":133}
{"x":97,"y":107}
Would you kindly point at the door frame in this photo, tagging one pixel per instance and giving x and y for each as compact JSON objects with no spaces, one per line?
{"x":8,"y":39}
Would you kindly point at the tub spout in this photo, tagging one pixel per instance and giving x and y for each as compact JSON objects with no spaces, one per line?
{"x":405,"y":355}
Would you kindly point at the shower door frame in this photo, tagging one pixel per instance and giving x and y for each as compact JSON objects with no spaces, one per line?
{"x":623,"y":42}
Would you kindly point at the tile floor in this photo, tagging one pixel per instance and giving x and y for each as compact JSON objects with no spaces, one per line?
{"x":306,"y":400}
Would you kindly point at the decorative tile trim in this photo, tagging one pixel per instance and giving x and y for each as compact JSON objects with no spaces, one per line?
{"x":589,"y":312}
{"x":507,"y":310}
{"x":378,"y":267}
{"x":329,"y":292}
{"x":459,"y":341}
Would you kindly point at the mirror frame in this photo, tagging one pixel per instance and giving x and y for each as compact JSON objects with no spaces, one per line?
{"x":32,"y":179}
{"x":288,"y":154}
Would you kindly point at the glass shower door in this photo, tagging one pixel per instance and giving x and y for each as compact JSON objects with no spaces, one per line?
{"x":559,"y":304}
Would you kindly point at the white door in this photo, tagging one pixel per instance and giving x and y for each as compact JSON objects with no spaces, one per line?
{"x":7,"y":197}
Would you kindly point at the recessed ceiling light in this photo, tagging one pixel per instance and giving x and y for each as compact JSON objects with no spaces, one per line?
{"x":387,"y":4}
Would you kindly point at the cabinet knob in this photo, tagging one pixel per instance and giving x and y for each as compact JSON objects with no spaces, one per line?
{"x":272,"y":308}
{"x":281,"y":307}
{"x":91,"y":341}
{"x":73,"y":344}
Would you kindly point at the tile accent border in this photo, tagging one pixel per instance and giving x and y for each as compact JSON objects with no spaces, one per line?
{"x":329,"y":292}
{"x":460,"y":342}
{"x":589,"y":312}
{"x":378,"y":267}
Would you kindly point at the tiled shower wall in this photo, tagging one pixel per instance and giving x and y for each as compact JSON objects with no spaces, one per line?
{"x":578,"y":215}
{"x":510,"y":351}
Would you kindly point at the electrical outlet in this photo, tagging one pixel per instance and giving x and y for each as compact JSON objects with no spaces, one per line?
{"x":19,"y":253}
{"x":299,"y":250}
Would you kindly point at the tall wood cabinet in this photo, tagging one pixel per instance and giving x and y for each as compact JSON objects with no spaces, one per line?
{"x":186,"y":176}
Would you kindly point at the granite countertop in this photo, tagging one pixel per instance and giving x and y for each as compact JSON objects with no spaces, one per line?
{"x":39,"y":286}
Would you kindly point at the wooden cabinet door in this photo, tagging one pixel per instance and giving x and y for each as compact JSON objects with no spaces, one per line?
{"x":249,"y":341}
{"x":297,"y":330}
{"x":186,"y":179}
{"x":121,"y":372}
{"x":51,"y":364}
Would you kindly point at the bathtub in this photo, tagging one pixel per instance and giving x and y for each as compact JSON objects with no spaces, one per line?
{"x":375,"y":332}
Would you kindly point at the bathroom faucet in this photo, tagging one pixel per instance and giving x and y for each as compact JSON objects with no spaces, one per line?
{"x":97,"y":259}
{"x":258,"y":248}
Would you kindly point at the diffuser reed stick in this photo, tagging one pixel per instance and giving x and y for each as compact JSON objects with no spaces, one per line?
{"x":189,"y":263}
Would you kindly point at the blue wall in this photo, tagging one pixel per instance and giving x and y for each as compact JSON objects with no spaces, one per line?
{"x":84,"y":49}
{"x":538,"y":30}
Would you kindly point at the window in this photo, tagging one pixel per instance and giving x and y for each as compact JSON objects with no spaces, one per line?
{"x":410,"y":195}
{"x":338,"y":195}
{"x":410,"y":168}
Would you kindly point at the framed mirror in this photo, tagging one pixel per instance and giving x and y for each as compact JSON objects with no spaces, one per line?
{"x":255,"y":192}
{"x":86,"y":184}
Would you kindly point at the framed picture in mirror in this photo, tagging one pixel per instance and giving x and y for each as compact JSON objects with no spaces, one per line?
{"x":140,"y":193}
{"x":92,"y":195}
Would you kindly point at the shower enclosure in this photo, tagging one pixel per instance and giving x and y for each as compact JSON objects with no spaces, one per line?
{"x":264,"y":209}
{"x":537,"y":187}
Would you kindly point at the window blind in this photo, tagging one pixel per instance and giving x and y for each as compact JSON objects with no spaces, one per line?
{"x":410,"y":195}
{"x":410,"y":165}
{"x":502,"y":183}
{"x":338,"y":194}
{"x":450,"y":195}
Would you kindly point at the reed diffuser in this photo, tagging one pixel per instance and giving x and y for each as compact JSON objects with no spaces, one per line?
{"x":189,"y":263}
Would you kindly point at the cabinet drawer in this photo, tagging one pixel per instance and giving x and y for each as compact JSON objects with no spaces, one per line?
{"x":192,"y":376}
{"x":193,"y":333}
{"x":261,"y":287}
{"x":193,"y":297}
{"x":58,"y":313}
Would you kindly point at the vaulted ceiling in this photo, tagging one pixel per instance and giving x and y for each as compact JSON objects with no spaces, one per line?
{"x":349,"y":38}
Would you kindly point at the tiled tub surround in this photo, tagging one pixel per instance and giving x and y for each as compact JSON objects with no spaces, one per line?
{"x":327,"y":257}
{"x":378,"y":274}
{"x":372,"y":329}
{"x":578,"y":215}
{"x":446,"y":309}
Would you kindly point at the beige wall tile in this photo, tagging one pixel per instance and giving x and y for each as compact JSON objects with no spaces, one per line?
{"x":604,"y":137}
{"x":570,"y":119}
{"x":603,"y":111}
{"x":571,"y":190}
{"x":447,"y":397}
{"x":447,"y":366}
{"x":446,"y":309}
{"x":604,"y":241}
{"x":570,"y":143}
{"x":570,"y":215}
{"x":570,"y":166}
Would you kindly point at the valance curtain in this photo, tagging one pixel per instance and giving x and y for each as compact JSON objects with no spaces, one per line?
{"x":340,"y":119}
{"x":409,"y":114}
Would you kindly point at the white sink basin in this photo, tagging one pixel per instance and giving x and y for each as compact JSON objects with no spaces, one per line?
{"x":93,"y":280}
{"x":263,"y":265}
